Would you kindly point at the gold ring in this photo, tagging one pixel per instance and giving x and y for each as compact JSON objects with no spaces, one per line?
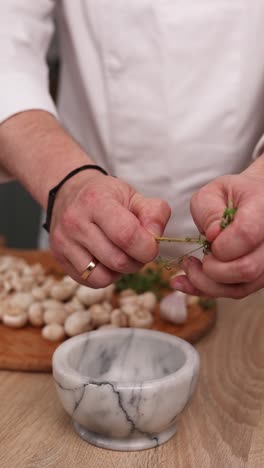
{"x":88,"y":270}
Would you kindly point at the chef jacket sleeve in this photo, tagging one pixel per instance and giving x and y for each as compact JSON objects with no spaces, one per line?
{"x":26,"y":29}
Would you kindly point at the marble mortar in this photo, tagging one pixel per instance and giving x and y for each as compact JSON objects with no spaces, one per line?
{"x":125,"y":388}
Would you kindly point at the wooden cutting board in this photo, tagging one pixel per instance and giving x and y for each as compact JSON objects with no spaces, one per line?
{"x":25,"y":349}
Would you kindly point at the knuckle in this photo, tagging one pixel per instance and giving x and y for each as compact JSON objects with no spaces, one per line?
{"x":69,"y":220}
{"x":249,"y":270}
{"x":127,"y":235}
{"x":246,"y":233}
{"x":57,"y":241}
{"x":162,"y":206}
{"x":121,"y":263}
{"x":89,"y":196}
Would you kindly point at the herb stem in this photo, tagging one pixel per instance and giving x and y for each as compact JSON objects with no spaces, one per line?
{"x":177,"y":239}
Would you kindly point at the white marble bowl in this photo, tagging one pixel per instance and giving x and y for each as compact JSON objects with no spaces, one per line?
{"x":125,"y":388}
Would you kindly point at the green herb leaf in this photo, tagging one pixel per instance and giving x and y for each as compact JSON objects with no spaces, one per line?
{"x":148,"y":280}
{"x":228,"y":215}
{"x":207,"y":304}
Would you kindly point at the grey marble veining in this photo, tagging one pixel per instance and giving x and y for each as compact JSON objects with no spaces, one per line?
{"x":125,"y":388}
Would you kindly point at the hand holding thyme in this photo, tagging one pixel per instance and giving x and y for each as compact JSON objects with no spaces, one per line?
{"x":235,"y":267}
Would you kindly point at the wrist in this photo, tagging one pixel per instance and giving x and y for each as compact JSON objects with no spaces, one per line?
{"x":37,"y":151}
{"x":67,"y":179}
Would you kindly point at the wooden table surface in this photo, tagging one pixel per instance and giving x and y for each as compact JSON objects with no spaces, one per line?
{"x":223,"y":427}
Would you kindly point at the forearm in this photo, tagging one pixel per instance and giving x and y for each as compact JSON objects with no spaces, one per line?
{"x":38,"y":152}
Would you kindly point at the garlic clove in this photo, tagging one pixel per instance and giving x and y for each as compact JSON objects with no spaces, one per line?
{"x":173,"y":308}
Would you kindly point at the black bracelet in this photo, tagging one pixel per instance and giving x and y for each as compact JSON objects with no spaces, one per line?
{"x":54,"y":190}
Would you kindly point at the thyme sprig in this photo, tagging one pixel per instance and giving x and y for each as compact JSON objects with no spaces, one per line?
{"x":204,"y":244}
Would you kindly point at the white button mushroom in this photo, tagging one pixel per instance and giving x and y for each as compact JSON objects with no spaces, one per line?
{"x":147,"y":300}
{"x":73,"y":306}
{"x":142,"y":318}
{"x":39,"y":293}
{"x":89,"y":296}
{"x":48,"y":283}
{"x":107,"y":326}
{"x":100,"y":315}
{"x":127,"y":293}
{"x":129,"y":300}
{"x":129,"y":309}
{"x":118,"y":318}
{"x":108,"y":292}
{"x":78,"y":322}
{"x":107,"y":306}
{"x":68,"y":280}
{"x":62,"y":291}
{"x":22,"y":300}
{"x":53,"y":332}
{"x":35,"y":314}
{"x":52,"y":304}
{"x":15,"y":318}
{"x":55,"y":316}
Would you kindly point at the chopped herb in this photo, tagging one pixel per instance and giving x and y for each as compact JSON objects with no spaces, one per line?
{"x":207,"y":304}
{"x":147,"y":280}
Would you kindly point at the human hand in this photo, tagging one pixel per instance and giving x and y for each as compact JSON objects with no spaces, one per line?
{"x":101,"y":217}
{"x":235,"y":266}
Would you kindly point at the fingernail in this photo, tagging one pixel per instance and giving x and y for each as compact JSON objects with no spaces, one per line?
{"x":178,"y":285}
{"x":194,"y":261}
{"x":176,"y":275}
{"x":177,"y":282}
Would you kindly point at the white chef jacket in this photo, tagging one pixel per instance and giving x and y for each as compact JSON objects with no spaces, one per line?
{"x":166,"y":94}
